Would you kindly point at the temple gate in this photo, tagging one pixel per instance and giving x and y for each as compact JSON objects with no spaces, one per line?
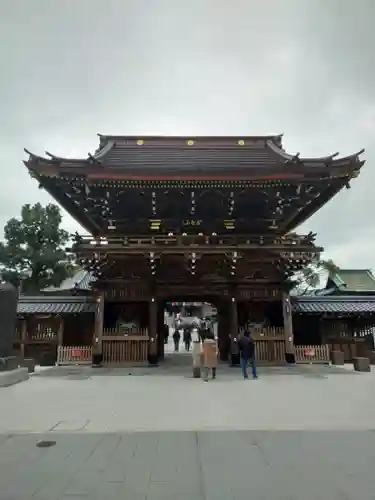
{"x":192,"y":217}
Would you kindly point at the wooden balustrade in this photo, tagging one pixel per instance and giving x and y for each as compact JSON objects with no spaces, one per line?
{"x":46,"y":335}
{"x":193,"y":239}
{"x":265,"y":333}
{"x":124,"y":332}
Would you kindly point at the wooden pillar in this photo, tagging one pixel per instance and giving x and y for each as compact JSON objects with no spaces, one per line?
{"x":160,"y":330}
{"x":288,"y":328}
{"x":60,"y":332}
{"x":235,"y":355}
{"x":152,"y":332}
{"x":98,"y":329}
{"x":23,"y":337}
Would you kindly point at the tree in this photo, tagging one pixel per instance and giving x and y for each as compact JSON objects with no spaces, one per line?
{"x":308,"y":279}
{"x":34,"y":249}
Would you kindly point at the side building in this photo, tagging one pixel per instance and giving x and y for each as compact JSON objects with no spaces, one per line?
{"x":342,"y":315}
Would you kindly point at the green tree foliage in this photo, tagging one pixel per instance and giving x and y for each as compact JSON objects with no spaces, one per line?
{"x":34,"y":249}
{"x":308,"y":279}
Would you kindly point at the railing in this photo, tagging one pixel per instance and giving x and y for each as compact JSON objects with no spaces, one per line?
{"x":71,"y":355}
{"x":191,"y":240}
{"x":130,"y":349}
{"x":119,"y":331}
{"x":312,"y":353}
{"x":265,"y":333}
{"x":44,"y":334}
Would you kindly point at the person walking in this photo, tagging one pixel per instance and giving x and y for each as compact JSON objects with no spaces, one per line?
{"x":187,"y":339}
{"x":247,"y":352}
{"x":209,"y":354}
{"x":176,"y":340}
{"x":166,"y":333}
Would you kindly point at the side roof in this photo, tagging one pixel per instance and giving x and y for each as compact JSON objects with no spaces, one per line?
{"x":81,"y":280}
{"x":351,"y":281}
{"x":347,"y":304}
{"x":55,"y":305}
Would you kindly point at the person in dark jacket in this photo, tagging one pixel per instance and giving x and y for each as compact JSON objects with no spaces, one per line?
{"x":247,"y":352}
{"x":166,"y":334}
{"x":187,"y":339}
{"x":176,"y":340}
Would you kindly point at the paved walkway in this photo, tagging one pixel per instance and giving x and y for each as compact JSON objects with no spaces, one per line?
{"x":299,"y":433}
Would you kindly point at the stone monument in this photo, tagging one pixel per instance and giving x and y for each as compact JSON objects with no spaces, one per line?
{"x":10,"y":373}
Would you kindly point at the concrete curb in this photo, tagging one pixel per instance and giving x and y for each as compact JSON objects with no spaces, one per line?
{"x":12,"y":377}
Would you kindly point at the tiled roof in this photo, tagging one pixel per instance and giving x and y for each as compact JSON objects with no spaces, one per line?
{"x":354,"y":280}
{"x":322,"y":304}
{"x":81,"y":280}
{"x":55,"y":305}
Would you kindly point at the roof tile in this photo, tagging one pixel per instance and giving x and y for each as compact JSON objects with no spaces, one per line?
{"x":322,"y":304}
{"x":55,"y":305}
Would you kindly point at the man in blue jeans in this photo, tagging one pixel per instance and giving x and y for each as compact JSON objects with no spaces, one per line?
{"x":247,"y":351}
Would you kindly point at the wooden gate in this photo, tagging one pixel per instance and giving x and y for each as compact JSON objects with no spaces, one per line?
{"x":123,"y":349}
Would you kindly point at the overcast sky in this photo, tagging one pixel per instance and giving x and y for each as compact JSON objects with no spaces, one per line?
{"x":73,"y":68}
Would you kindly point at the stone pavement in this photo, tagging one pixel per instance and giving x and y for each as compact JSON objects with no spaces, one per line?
{"x":303,"y":433}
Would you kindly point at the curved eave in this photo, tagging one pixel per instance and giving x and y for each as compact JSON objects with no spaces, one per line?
{"x":36,"y":161}
{"x":50,"y":158}
{"x":313,"y":207}
{"x":67,"y":204}
{"x":333,"y":160}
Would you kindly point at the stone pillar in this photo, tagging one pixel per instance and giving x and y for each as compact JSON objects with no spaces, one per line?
{"x":152,"y":332}
{"x":98,"y":330}
{"x":234,"y":351}
{"x":288,"y":329}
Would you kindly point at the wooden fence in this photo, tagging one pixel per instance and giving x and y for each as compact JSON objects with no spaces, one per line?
{"x":74,"y":355}
{"x":130,"y":349}
{"x":312,"y":353}
{"x":270,"y":351}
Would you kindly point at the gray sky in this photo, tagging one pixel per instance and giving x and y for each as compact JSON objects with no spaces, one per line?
{"x":72,"y":68}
